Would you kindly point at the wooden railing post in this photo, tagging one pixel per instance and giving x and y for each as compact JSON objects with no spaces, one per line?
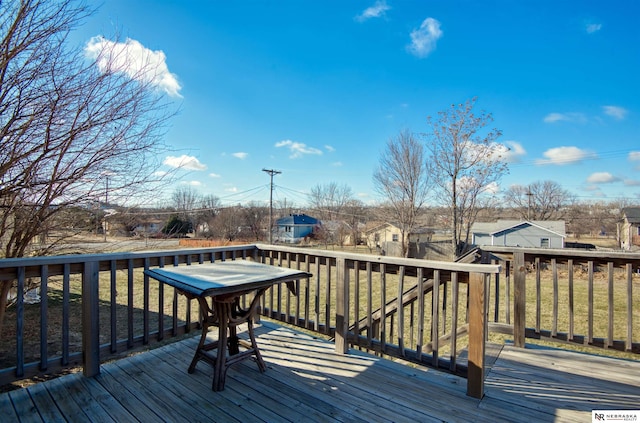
{"x":519,"y":299}
{"x":342,"y":307}
{"x":477,"y":328}
{"x":90,"y":319}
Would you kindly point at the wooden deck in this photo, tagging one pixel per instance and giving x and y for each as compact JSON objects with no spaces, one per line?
{"x":307,"y":381}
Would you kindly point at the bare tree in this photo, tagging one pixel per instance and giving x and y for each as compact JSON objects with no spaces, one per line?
{"x":70,"y":131}
{"x":254,"y":217}
{"x":402,"y":179}
{"x":541,"y":200}
{"x":210,"y":206}
{"x":464,"y":164}
{"x":329,"y":200}
{"x":228,"y":224}
{"x":355,"y":215}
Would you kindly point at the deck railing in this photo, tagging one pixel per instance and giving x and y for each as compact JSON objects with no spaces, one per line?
{"x":95,"y":307}
{"x":589,"y":298}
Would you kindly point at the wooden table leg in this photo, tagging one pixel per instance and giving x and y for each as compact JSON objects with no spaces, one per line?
{"x":222,"y":310}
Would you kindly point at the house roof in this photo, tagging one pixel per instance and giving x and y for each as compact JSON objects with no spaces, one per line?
{"x":632,"y":214}
{"x":493,"y":228}
{"x":297,"y":219}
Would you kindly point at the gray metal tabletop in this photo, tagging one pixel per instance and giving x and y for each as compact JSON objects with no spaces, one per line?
{"x":224,"y":277}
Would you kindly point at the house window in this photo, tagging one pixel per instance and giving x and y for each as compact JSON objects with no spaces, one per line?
{"x":395,"y":237}
{"x":544,"y":242}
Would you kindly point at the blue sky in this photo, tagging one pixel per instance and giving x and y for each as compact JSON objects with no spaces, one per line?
{"x":315,"y":89}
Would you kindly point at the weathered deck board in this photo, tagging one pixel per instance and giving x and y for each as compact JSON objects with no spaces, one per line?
{"x":307,"y":381}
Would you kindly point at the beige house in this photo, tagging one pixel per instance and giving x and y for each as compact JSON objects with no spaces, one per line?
{"x":386,"y":237}
{"x":630,"y":228}
{"x":383,"y":237}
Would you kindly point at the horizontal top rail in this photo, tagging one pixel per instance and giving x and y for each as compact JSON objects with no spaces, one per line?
{"x":77,"y":259}
{"x":398,"y":261}
{"x":587,"y":255}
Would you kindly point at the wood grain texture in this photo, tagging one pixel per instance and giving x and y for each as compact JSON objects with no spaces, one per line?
{"x":307,"y":381}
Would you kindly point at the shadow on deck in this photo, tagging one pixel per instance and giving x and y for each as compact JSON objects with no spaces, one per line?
{"x":307,"y":381}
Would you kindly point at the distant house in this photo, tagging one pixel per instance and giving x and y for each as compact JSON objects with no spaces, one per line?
{"x":386,"y":238}
{"x":294,"y":228}
{"x":383,"y":237}
{"x":338,"y":232}
{"x":630,"y":228}
{"x":519,"y":233}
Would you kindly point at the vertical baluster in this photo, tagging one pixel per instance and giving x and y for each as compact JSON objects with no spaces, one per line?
{"x":507,"y":292}
{"x":400,"y":310}
{"x":370,"y":333}
{"x":44,"y":320}
{"x":538,"y":295}
{"x":299,"y":294}
{"x":20,"y":322}
{"x":327,"y":306}
{"x":356,"y":299}
{"x":610,"y":304}
{"x":571,"y":303}
{"x":383,"y":308}
{"x":130,"y":303}
{"x":629,"y":342}
{"x":420,"y":334}
{"x":454,"y":321}
{"x":496,"y":311}
{"x":435,"y":318}
{"x":113,"y":302}
{"x":590,"y":300}
{"x":307,"y":289}
{"x":317,"y":297}
{"x":65,"y":313}
{"x":554,"y":324}
{"x":288,"y":294}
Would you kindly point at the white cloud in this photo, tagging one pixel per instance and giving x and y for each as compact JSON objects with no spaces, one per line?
{"x":134,"y":60}
{"x":336,"y":164}
{"x":194,"y":183}
{"x":615,"y":112}
{"x":566,"y":117}
{"x":297,"y":149}
{"x":593,"y":27}
{"x":634,"y":156}
{"x":329,"y":148}
{"x":493,"y":188}
{"x":184,"y":162}
{"x":631,"y":183}
{"x":602,"y":178}
{"x":231,"y":189}
{"x":378,"y":10}
{"x":240,"y":155}
{"x":511,"y":151}
{"x":214,"y":175}
{"x":564,"y":156}
{"x":423,"y":39}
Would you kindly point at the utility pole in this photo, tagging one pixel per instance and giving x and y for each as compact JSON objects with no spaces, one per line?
{"x":271,"y":172}
{"x":529,"y":194}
